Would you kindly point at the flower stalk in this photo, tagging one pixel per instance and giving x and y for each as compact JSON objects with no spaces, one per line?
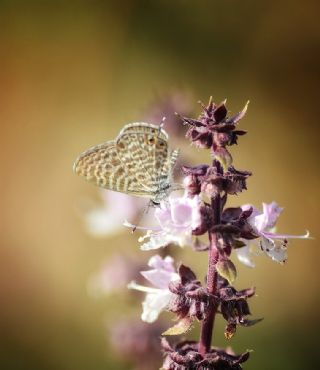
{"x":212,"y":275}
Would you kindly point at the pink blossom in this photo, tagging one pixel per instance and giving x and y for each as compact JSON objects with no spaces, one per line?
{"x":176,"y":217}
{"x":160,"y":275}
{"x":270,"y":242}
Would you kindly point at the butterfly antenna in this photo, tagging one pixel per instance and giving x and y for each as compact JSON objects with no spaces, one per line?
{"x":161,"y":124}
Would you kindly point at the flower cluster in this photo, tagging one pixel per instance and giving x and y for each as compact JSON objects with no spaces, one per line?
{"x":243,"y":231}
{"x":234,"y":306}
{"x":186,"y":356}
{"x":181,"y":220}
{"x":182,"y":293}
{"x":207,"y":180}
{"x":215,"y":130}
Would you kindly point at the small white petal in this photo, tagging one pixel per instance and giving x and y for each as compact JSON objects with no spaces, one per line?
{"x":159,"y":278}
{"x":163,"y":215}
{"x":181,"y":215}
{"x":271,"y":214}
{"x":154,"y":304}
{"x":141,"y":288}
{"x":156,"y":241}
{"x":157,"y":262}
{"x":278,"y":252}
{"x":182,"y":239}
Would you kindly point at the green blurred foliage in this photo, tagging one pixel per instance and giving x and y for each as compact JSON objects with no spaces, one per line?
{"x":72,"y":73}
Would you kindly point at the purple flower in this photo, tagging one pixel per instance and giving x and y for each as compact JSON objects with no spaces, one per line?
{"x":234,"y":306}
{"x":161,"y":274}
{"x":213,"y":128}
{"x":271,"y":243}
{"x":185,"y":355}
{"x":177,"y":218}
{"x":191,"y":300}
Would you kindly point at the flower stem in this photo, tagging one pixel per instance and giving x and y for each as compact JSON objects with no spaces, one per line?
{"x":212,"y":275}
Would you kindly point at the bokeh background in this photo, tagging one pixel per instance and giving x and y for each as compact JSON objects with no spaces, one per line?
{"x":72,"y":74}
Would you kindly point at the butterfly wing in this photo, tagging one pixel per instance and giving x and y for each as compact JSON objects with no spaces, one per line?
{"x":145,"y":127}
{"x":102,"y":166}
{"x":144,"y":150}
{"x":168,"y":166}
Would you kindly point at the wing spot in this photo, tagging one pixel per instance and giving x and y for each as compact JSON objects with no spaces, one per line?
{"x":120,"y":171}
{"x":107,"y":167}
{"x":151,"y":141}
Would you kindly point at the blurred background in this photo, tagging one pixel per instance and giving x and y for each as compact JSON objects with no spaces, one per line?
{"x":72,"y":74}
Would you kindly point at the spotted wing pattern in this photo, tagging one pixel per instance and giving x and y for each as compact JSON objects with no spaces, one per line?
{"x":141,"y":127}
{"x":144,"y":149}
{"x":168,"y":166}
{"x":101,"y":166}
{"x":138,"y":162}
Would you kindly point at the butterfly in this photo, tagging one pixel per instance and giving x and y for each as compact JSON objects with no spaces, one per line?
{"x":138,"y":162}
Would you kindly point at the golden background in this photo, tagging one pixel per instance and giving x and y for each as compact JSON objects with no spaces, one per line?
{"x":72,"y":74}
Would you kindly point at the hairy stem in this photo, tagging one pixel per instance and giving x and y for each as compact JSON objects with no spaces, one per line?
{"x":212,"y":275}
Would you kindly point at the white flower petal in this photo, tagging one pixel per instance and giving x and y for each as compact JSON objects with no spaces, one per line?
{"x":157,"y":299}
{"x":154,"y":304}
{"x":277,"y":251}
{"x":159,"y":278}
{"x":163,"y":215}
{"x":157,"y":241}
{"x":271,"y":214}
{"x":177,"y":218}
{"x":181,"y":214}
{"x":278,"y":254}
{"x":142,"y":288}
{"x":157,"y":262}
{"x":182,"y":239}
